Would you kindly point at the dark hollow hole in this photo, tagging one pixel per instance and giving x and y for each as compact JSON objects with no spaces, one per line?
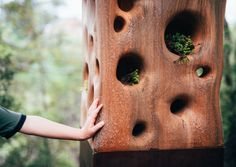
{"x":126,"y":5}
{"x":119,"y":23}
{"x":138,"y":129}
{"x":129,"y":68}
{"x":97,"y":66}
{"x":179,"y":104}
{"x":183,"y":33}
{"x":202,"y":71}
{"x":186,"y":23}
{"x":86,"y":71}
{"x":90,"y":41}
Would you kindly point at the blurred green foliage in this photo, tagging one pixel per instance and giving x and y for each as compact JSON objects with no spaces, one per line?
{"x":6,"y":76}
{"x":40,"y":74}
{"x":228,"y":96}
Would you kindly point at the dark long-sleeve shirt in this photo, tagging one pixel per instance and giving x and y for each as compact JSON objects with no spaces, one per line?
{"x":10,"y":122}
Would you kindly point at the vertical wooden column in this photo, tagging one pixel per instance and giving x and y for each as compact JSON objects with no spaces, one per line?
{"x":172,"y":107}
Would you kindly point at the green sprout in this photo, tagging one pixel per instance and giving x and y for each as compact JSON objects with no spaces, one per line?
{"x":131,"y":78}
{"x":181,"y":45}
{"x":85,"y":86}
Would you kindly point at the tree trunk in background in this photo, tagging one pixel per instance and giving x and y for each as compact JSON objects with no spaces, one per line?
{"x":228,"y":98}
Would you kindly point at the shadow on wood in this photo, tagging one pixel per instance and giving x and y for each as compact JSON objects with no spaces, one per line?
{"x":209,"y":157}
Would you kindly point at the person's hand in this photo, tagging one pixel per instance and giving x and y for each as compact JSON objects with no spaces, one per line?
{"x":90,"y":128}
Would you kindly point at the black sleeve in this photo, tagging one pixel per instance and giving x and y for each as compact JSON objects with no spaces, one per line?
{"x":18,"y":127}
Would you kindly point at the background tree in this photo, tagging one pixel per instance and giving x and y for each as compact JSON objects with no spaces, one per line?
{"x":7,"y":72}
{"x":228,"y":96}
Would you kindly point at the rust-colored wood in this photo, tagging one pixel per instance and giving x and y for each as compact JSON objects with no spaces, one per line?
{"x":171,"y":107}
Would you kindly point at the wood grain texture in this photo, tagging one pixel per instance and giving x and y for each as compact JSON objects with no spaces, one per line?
{"x":171,"y":107}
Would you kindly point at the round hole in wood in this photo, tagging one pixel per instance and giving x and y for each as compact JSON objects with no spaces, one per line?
{"x":91,"y":95}
{"x":139,"y":128}
{"x":179,"y":104}
{"x":90,"y":42}
{"x":187,"y":23}
{"x":129,"y":68}
{"x":119,"y":23}
{"x":97,"y":67}
{"x":85,"y":72}
{"x":203,"y":71}
{"x":126,"y":5}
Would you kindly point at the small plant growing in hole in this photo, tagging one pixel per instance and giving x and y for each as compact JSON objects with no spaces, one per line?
{"x":85,"y":86}
{"x":181,"y":45}
{"x":131,"y":78}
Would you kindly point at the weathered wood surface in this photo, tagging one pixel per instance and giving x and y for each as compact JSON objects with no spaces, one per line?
{"x":171,"y":107}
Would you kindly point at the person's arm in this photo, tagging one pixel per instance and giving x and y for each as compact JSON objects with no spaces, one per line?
{"x":35,"y":125}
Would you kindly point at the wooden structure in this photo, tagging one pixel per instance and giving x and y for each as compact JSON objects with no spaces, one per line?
{"x":173,"y":107}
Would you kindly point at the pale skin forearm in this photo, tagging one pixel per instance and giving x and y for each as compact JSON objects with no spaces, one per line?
{"x":38,"y":126}
{"x":35,"y":125}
